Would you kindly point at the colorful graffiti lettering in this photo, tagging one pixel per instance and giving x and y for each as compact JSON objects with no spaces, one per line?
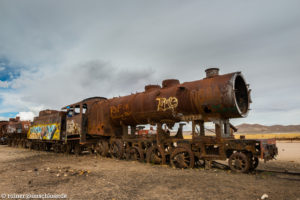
{"x":44,"y":132}
{"x":167,"y":104}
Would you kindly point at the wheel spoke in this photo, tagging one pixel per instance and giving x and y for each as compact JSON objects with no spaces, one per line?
{"x":182,"y":157}
{"x":239,"y":162}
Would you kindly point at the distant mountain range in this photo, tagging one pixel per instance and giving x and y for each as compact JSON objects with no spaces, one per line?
{"x":258,"y":128}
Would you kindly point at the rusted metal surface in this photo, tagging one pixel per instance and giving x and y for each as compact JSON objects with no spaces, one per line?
{"x":268,"y":149}
{"x":3,"y":125}
{"x":16,"y":132}
{"x":216,"y":98}
{"x":15,"y":126}
{"x":77,"y":118}
{"x":219,"y":96}
{"x":49,"y":125}
{"x":211,"y":72}
{"x":115,"y":126}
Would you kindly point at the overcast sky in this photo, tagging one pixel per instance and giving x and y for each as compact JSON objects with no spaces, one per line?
{"x":54,"y":53}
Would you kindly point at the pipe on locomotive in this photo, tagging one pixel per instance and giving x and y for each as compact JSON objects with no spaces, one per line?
{"x":214,"y":97}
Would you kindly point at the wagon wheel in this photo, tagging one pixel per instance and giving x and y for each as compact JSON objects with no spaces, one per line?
{"x":239,"y":162}
{"x":91,"y":150}
{"x":102,"y":148}
{"x":156,"y":155}
{"x":135,"y":153}
{"x":253,"y":163}
{"x":182,"y":157}
{"x":117,"y":149}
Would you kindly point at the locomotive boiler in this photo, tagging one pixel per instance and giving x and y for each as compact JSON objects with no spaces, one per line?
{"x":109,"y":127}
{"x":217,"y":97}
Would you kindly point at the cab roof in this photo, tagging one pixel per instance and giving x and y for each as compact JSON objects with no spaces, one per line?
{"x":87,"y":100}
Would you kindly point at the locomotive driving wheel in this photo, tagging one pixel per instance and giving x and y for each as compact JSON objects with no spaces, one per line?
{"x":117,"y":149}
{"x":239,"y":162}
{"x":182,"y":157}
{"x":135,"y":153}
{"x":102,"y":148}
{"x":156,"y":155}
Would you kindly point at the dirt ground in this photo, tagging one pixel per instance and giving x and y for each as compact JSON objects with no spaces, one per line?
{"x":23,"y":171}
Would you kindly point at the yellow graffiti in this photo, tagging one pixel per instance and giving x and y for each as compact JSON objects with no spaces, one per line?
{"x":167,"y":104}
{"x":120,"y":111}
{"x":44,"y":132}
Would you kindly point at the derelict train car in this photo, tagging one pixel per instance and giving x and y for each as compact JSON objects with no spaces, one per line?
{"x":16,"y":131}
{"x":48,"y":131}
{"x":108,"y":126}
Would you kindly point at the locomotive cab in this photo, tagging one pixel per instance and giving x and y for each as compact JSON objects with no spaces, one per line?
{"x":76,"y":120}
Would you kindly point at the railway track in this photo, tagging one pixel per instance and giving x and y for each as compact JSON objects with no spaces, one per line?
{"x":226,"y":167}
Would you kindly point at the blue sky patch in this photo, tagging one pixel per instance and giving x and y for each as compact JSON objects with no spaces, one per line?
{"x":8,"y":71}
{"x":9,"y":114}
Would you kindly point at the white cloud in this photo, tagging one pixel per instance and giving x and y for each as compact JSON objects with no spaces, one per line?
{"x":54,"y":89}
{"x":26,"y":115}
{"x":12,"y":101}
{"x":1,"y":68}
{"x":4,"y":84}
{"x":103,"y":48}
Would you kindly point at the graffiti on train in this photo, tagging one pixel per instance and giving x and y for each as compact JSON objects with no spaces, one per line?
{"x":167,"y":104}
{"x":44,"y":132}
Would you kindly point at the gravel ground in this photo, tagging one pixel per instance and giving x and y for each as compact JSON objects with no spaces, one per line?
{"x":23,"y":171}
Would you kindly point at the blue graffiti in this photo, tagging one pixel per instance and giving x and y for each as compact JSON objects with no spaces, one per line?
{"x":50,"y":131}
{"x":44,"y":131}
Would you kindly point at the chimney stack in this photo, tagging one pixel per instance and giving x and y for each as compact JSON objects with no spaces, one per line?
{"x":212,"y":72}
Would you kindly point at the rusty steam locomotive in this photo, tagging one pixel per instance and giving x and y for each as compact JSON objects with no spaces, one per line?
{"x":109,"y":127}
